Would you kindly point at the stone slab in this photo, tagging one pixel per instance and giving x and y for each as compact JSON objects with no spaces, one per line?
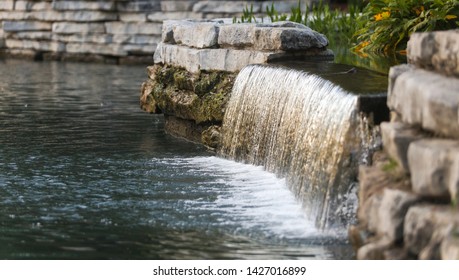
{"x":138,"y":6}
{"x":83,"y":38}
{"x":6,"y":5}
{"x":19,"y":26}
{"x":73,"y":27}
{"x":91,"y":48}
{"x":177,"y":6}
{"x":133,"y":28}
{"x":66,"y":5}
{"x":77,"y":16}
{"x":232,"y":7}
{"x":14,"y":15}
{"x":32,"y":5}
{"x":35,"y":45}
{"x":136,"y":39}
{"x":196,"y":34}
{"x":438,"y":51}
{"x":430,"y":162}
{"x":162,"y":16}
{"x":30,"y":35}
{"x":428,"y":100}
{"x":449,"y":249}
{"x":133,"y":17}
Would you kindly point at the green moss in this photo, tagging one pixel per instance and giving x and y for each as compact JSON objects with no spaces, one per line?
{"x":390,"y":166}
{"x":200,"y":97}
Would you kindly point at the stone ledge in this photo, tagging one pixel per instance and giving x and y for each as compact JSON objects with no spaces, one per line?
{"x":438,"y":51}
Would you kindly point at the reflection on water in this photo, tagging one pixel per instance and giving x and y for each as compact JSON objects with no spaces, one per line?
{"x":84,"y":174}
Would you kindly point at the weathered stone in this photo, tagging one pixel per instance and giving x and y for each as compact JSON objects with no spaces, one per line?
{"x":35,"y":45}
{"x":161,"y":16}
{"x":427,"y":99}
{"x":453,"y":182}
{"x":136,"y":39}
{"x":374,"y":250}
{"x":422,"y":221}
{"x":430,"y":166}
{"x":177,"y":6}
{"x":107,"y":49}
{"x":64,"y":5}
{"x":277,"y":36}
{"x":30,"y":35}
{"x":438,"y":51}
{"x":147,"y":102}
{"x":18,"y":26}
{"x":133,"y":28}
{"x":133,"y":17}
{"x":198,"y":35}
{"x":391,"y":213}
{"x":233,"y":7}
{"x":81,"y":28}
{"x":396,"y":137}
{"x":284,"y":6}
{"x":77,"y":16}
{"x":139,"y":49}
{"x":32,"y":5}
{"x":212,"y":137}
{"x":14,"y":15}
{"x":138,"y":6}
{"x":394,"y":73}
{"x":6,"y":5}
{"x":83,"y":38}
{"x":449,"y":248}
{"x":187,"y":129}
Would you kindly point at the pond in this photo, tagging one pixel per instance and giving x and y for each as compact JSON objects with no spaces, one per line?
{"x":85,"y":174}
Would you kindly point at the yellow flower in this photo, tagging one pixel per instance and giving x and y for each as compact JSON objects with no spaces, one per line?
{"x":381,"y":16}
{"x":419,"y":10}
{"x":448,"y":17}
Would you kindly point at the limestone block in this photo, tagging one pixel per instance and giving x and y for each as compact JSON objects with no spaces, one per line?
{"x":133,"y":28}
{"x":30,"y":35}
{"x":275,"y":36}
{"x":196,"y":34}
{"x":66,"y":5}
{"x":167,"y":33}
{"x":394,"y":72}
{"x":35,"y":45}
{"x":136,"y":39}
{"x":107,"y":49}
{"x":19,"y":26}
{"x":449,"y":249}
{"x":232,"y":7}
{"x":391,"y":213}
{"x":427,"y":99}
{"x":6,"y":5}
{"x":162,"y":16}
{"x":177,"y":5}
{"x":14,"y":15}
{"x":83,"y":38}
{"x":139,"y":49}
{"x":396,"y":138}
{"x":422,"y":221}
{"x":435,"y":50}
{"x":78,"y":16}
{"x":138,"y":6}
{"x":133,"y":17}
{"x":32,"y":5}
{"x":82,"y":28}
{"x":430,"y":166}
{"x":453,"y":182}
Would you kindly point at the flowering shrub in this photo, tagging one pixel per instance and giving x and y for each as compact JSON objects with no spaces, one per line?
{"x":389,"y":23}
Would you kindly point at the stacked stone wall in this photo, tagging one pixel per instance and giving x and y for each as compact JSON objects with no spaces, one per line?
{"x":408,"y":198}
{"x":103,"y":30}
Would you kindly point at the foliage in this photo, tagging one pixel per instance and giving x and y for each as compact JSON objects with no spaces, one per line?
{"x":389,"y":23}
{"x":247,"y":15}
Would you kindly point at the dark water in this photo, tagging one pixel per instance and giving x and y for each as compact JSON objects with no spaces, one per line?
{"x":84,"y":174}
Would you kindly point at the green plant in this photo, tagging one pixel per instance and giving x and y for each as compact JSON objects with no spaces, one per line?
{"x":389,"y":23}
{"x":247,"y":15}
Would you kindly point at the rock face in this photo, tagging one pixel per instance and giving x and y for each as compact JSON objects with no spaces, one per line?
{"x":121,"y":31}
{"x":197,"y":61}
{"x":408,"y":205}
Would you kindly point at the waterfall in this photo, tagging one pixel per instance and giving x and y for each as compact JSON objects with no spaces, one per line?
{"x":298,"y":126}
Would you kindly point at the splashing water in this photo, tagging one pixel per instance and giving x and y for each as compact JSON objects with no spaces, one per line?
{"x":298,"y":126}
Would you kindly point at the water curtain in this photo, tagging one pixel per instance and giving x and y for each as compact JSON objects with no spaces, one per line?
{"x":299,"y":126}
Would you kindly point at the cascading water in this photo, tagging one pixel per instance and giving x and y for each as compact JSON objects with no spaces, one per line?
{"x":298,"y":126}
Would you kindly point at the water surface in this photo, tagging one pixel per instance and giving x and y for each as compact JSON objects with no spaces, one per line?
{"x":84,"y":174}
